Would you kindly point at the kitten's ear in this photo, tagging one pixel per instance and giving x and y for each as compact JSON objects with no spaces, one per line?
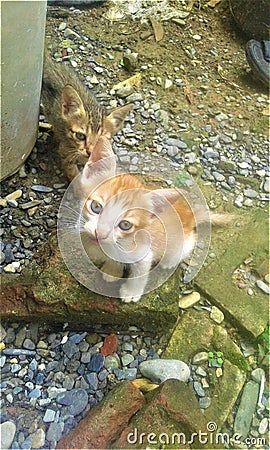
{"x":101,"y":164}
{"x":160,"y":199}
{"x":115,"y":118}
{"x":71,"y":103}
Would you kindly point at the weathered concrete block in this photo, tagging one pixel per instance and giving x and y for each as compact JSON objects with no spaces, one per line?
{"x":48,"y":292}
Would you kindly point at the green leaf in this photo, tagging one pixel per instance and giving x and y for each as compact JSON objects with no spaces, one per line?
{"x":220,"y":361}
{"x":210,"y":355}
{"x":219,"y":354}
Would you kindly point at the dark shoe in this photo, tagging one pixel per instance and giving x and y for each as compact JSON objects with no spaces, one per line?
{"x":258,"y":56}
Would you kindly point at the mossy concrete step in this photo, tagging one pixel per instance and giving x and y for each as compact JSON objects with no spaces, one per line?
{"x":232,"y":246}
{"x":50,"y":293}
{"x":196,"y":332}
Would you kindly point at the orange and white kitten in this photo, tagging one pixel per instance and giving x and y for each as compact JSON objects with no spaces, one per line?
{"x":127,"y":225}
{"x":78,"y":119}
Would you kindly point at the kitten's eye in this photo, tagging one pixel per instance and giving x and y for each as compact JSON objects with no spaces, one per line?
{"x":80,"y":136}
{"x":125,"y":225}
{"x":96,"y":207}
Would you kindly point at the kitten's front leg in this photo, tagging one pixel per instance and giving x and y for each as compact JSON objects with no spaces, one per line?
{"x":133,"y":288}
{"x":112,"y":271}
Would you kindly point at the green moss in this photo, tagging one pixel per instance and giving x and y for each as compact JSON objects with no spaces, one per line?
{"x":260,"y":125}
{"x":237,"y":360}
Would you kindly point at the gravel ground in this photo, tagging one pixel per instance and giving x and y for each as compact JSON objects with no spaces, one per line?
{"x":212,"y":138}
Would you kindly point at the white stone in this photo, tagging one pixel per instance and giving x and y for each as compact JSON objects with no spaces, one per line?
{"x":38,"y":438}
{"x":7,"y":431}
{"x":216,"y":315}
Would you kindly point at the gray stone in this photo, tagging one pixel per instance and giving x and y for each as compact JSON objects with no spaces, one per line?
{"x":75,"y":400}
{"x":172,"y":151}
{"x":70,"y":349}
{"x":246,"y":408}
{"x":263,"y":286}
{"x":125,"y":374}
{"x":3,"y":332}
{"x":263,"y":425}
{"x":92,"y":380}
{"x":127,"y":346}
{"x":204,"y":402}
{"x":200,"y":358}
{"x":112,"y":362}
{"x":28,"y":344}
{"x":250,"y":193}
{"x":127,"y":359}
{"x":8,"y":430}
{"x":198,"y":389}
{"x":257,"y":374}
{"x":201,"y":372}
{"x":54,"y":432}
{"x":159,"y":370}
{"x":218,"y":176}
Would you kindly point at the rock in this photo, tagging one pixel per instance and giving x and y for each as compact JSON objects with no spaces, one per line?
{"x":266,"y":186}
{"x":198,"y":389}
{"x":8,"y":430}
{"x":38,"y":438}
{"x":49,"y":415}
{"x":125,"y":374}
{"x":28,"y":344}
{"x":75,"y":400}
{"x":159,"y":370}
{"x":112,"y":362}
{"x":40,"y":188}
{"x":109,"y":345}
{"x":92,"y":380}
{"x":70,"y":349}
{"x":204,"y":402}
{"x":104,"y":423}
{"x":127,"y":359}
{"x":263,"y":427}
{"x":246,"y":408}
{"x":263,"y":286}
{"x":3,"y":332}
{"x":200,"y":358}
{"x":257,"y":374}
{"x":250,"y":193}
{"x":54,"y":432}
{"x":96,"y":362}
{"x":186,"y":301}
{"x":216,"y":315}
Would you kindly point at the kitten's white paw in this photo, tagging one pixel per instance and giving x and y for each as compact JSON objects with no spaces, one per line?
{"x":128,"y":296}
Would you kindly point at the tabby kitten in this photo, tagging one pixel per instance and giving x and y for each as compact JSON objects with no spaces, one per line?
{"x":78,"y":119}
{"x":126,"y":225}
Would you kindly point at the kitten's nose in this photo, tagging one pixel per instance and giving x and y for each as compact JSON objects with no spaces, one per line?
{"x":88,"y":151}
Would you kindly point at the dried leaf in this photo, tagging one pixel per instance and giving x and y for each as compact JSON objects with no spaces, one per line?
{"x":144,"y":385}
{"x":135,"y":80}
{"x":213,"y":3}
{"x":158,"y":29}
